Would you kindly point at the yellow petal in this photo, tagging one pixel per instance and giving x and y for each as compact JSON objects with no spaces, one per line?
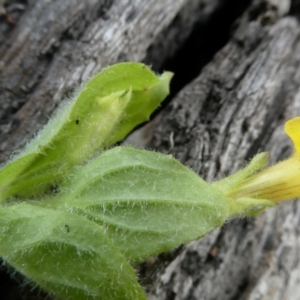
{"x":292,"y":129}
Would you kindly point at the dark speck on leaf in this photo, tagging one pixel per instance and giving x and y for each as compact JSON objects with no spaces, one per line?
{"x":67,"y":228}
{"x":77,"y":121}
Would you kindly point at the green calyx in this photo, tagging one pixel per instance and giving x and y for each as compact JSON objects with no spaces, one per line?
{"x":244,"y":206}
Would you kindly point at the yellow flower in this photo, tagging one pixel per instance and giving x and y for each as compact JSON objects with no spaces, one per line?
{"x":278,"y":182}
{"x":268,"y":185}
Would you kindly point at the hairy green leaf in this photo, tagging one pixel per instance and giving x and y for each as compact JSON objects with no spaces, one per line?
{"x":146,"y":202}
{"x":65,"y":254}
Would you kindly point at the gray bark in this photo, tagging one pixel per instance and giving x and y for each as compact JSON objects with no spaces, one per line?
{"x":235,"y":107}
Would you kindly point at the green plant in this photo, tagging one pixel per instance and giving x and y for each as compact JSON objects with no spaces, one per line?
{"x":75,"y":214}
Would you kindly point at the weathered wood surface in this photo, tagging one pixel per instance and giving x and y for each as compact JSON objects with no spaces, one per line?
{"x":235,"y":107}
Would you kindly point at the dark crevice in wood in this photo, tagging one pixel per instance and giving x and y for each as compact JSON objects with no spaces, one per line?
{"x":206,"y":39}
{"x":295,"y":9}
{"x":242,"y":287}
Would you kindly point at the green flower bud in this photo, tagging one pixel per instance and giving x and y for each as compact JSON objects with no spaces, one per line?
{"x":107,"y":108}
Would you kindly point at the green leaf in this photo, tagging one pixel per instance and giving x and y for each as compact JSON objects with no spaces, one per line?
{"x":107,"y":108}
{"x":65,"y":254}
{"x":146,"y":202}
